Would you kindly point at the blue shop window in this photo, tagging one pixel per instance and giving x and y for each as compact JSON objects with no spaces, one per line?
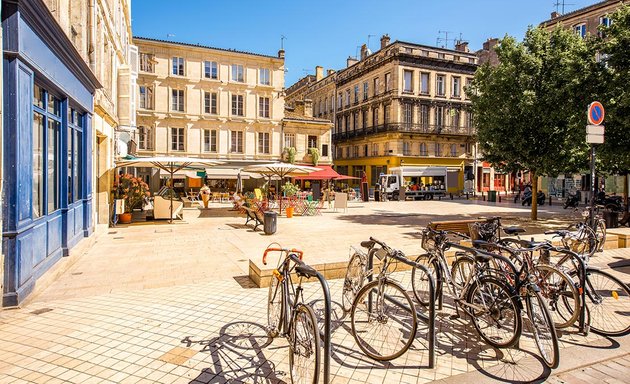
{"x":75,"y":151}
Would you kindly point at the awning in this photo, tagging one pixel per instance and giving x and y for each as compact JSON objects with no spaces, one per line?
{"x":326,"y":173}
{"x":225,"y":173}
{"x":182,"y":174}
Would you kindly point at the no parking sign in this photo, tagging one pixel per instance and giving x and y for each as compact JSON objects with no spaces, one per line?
{"x":596,"y":113}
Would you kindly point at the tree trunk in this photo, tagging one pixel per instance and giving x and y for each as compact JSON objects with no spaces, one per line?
{"x":625,"y":192}
{"x":534,"y":195}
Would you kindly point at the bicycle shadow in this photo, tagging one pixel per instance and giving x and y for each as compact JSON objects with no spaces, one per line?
{"x":237,"y":356}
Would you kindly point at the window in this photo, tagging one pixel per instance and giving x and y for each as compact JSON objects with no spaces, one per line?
{"x":376,"y":171}
{"x":376,"y":86}
{"x":325,"y":106}
{"x":347,"y":122}
{"x":469,"y":120}
{"x":46,"y":152}
{"x":210,"y":103}
{"x":178,"y":66}
{"x":365,"y":150}
{"x":387,"y":150}
{"x":355,"y":151}
{"x":324,"y":149}
{"x":340,"y":101}
{"x":347,"y":97}
{"x":236,"y":142}
{"x":75,"y":153}
{"x":424,"y":80}
{"x":407,"y":112}
{"x":355,"y":120}
{"x":209,"y":140}
{"x":407,"y":81}
{"x":289,"y":140}
{"x":210,"y":70}
{"x":312,"y":142}
{"x":237,"y":73}
{"x":440,"y":84}
{"x":386,"y":116}
{"x":468,"y":85}
{"x":263,"y":76}
{"x":263,"y":142}
{"x":146,"y":97}
{"x":375,"y":117}
{"x":177,"y":100}
{"x":604,"y":22}
{"x":438,"y":149}
{"x":263,"y":107}
{"x":406,"y":148}
{"x":356,"y":93}
{"x":177,"y":139}
{"x":364,"y":119}
{"x":146,"y":62}
{"x":453,"y":150}
{"x":456,"y":91}
{"x":365,"y":91}
{"x":423,"y":116}
{"x":38,"y":165}
{"x":455,"y":117}
{"x":439,"y":117}
{"x":388,"y":82}
{"x":441,"y":55}
{"x":423,"y":149}
{"x":580,"y":30}
{"x":237,"y":105}
{"x":145,"y":138}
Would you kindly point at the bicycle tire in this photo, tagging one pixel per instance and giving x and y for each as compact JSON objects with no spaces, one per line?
{"x":611,"y":316}
{"x":353,"y":281}
{"x":543,"y":329}
{"x":460,"y":270}
{"x":420,"y":280}
{"x":306,"y":345}
{"x":560,"y":293}
{"x":508,"y":302}
{"x":274,"y":307}
{"x":363,"y":317}
{"x":600,"y":234}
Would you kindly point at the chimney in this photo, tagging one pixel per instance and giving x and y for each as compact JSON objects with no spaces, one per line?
{"x":462,"y":46}
{"x":330,"y":72}
{"x":490,"y":43}
{"x":281,"y":53}
{"x":319,"y":73}
{"x":364,"y":51}
{"x":384,"y":41}
{"x":554,"y":15}
{"x":350,"y":61}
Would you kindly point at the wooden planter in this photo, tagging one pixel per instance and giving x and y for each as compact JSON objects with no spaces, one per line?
{"x":124,"y":218}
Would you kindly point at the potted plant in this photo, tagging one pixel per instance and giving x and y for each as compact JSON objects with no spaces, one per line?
{"x":291,"y":152}
{"x":133,"y":191}
{"x":314,"y":152}
{"x":289,"y":190}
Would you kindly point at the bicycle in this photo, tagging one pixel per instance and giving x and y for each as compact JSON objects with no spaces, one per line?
{"x":383,"y":316}
{"x":288,"y":315}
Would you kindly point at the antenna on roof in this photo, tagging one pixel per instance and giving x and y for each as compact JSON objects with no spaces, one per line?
{"x":368,"y":44}
{"x":169,"y":35}
{"x":306,"y":71}
{"x":560,"y":3}
{"x":282,"y":39}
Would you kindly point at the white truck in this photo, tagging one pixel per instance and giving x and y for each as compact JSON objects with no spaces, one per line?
{"x":435,"y":178}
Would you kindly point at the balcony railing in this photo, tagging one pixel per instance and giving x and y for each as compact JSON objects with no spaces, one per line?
{"x":407,"y":128}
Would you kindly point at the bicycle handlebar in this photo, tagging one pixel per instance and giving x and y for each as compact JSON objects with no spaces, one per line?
{"x":287,"y":250}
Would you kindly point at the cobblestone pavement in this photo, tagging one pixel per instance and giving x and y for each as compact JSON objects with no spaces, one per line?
{"x":213,"y":332}
{"x":614,"y":371}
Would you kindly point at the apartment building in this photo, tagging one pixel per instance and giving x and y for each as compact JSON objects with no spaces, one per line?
{"x":585,"y":21}
{"x":403,"y":104}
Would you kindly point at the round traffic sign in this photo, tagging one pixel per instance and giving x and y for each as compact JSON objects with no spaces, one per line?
{"x":595,"y":113}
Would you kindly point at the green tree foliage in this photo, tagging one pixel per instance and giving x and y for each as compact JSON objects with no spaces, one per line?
{"x":530,"y":110}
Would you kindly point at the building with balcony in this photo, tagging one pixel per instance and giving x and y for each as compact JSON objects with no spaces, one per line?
{"x":404,"y":103}
{"x":585,"y":21}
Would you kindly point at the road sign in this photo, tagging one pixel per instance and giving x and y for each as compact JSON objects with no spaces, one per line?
{"x":595,"y":113}
{"x":595,"y":130}
{"x":595,"y":139}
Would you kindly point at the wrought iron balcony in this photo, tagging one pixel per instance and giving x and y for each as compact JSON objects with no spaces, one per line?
{"x":406,"y":128}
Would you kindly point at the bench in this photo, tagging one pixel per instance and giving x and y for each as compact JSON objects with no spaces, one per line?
{"x":460,"y":226}
{"x":253,"y":215}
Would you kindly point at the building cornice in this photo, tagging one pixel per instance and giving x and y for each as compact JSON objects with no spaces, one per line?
{"x":590,"y":8}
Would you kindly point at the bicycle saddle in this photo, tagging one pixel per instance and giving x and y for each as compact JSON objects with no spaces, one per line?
{"x":367,"y":244}
{"x":305,"y":271}
{"x":513,"y":230}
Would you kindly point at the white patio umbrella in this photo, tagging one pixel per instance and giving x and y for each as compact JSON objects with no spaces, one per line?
{"x":281,"y":170}
{"x":169,"y":164}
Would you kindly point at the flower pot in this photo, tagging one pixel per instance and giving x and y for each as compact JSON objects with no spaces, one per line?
{"x":124,"y":218}
{"x":289,"y":211}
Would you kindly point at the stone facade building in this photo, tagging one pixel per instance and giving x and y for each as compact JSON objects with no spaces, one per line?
{"x":585,"y":21}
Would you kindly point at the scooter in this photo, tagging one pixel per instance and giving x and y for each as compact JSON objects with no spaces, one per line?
{"x":527,"y":198}
{"x":611,"y":202}
{"x":573,"y":200}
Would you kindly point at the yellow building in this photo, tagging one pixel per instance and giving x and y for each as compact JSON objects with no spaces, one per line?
{"x":303,"y":131}
{"x":404,"y":103}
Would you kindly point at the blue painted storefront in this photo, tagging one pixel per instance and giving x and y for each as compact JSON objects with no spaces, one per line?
{"x":47,"y":112}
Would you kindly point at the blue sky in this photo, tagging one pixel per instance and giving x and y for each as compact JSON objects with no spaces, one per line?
{"x":326,"y":32}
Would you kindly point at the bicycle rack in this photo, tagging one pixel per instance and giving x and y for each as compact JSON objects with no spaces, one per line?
{"x":430,"y":319}
{"x":327,"y":309}
{"x":581,"y":270}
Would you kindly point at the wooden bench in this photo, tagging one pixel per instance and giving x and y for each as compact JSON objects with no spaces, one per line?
{"x":254,"y":215}
{"x":461,"y":226}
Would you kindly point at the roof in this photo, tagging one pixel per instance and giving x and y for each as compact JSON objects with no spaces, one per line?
{"x":581,"y":10}
{"x":204,"y":46}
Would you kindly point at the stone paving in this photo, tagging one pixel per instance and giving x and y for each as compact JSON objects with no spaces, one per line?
{"x":188,"y":315}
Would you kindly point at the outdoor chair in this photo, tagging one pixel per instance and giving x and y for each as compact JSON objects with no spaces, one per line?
{"x":162,"y":208}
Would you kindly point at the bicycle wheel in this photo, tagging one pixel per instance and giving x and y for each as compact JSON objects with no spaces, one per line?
{"x":304,"y":352}
{"x":462,"y":269}
{"x":600,"y":234}
{"x":384,"y":320}
{"x":355,"y":276}
{"x":560,"y":293}
{"x":494,"y":311}
{"x":608,"y":301}
{"x":543,"y":329}
{"x":420,"y":280}
{"x":274,"y":307}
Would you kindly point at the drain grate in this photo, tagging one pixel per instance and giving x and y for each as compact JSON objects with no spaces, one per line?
{"x":163,"y":230}
{"x":76,"y":273}
{"x":119,"y":238}
{"x":41,"y":311}
{"x":112,"y":232}
{"x":178,"y":355}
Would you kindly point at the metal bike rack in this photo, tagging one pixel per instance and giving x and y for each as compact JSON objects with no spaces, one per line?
{"x":327,"y":309}
{"x":430,"y":319}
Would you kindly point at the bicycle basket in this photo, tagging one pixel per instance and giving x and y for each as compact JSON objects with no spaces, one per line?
{"x":429,"y":241}
{"x":483,"y":231}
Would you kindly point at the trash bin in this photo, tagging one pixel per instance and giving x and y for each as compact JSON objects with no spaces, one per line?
{"x":492,"y":196}
{"x":271,"y":222}
{"x":377,"y":192}
{"x":611,"y":218}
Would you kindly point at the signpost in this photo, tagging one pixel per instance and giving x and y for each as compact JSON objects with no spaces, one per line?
{"x":594,"y":135}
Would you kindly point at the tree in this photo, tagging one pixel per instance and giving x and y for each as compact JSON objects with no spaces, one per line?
{"x":530,"y":109}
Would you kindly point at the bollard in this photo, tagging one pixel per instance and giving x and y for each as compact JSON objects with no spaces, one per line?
{"x":466,"y":196}
{"x":499,"y":198}
{"x":550,"y":200}
{"x":451,"y":196}
{"x":484,"y":197}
